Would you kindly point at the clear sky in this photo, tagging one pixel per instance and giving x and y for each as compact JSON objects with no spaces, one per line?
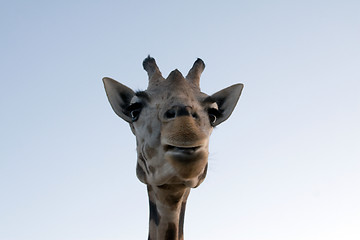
{"x":286,"y":165}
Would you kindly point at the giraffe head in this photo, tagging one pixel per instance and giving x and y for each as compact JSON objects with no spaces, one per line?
{"x":172,"y":121}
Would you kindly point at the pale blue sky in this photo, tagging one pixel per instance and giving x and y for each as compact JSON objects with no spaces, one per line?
{"x":286,"y":165}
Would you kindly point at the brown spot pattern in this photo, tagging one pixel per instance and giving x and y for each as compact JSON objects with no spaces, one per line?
{"x":150,"y":152}
{"x":154,"y":215}
{"x":171,"y":232}
{"x":149,"y":128}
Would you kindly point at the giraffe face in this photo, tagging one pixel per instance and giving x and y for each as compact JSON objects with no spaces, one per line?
{"x":172,"y":130}
{"x":172,"y":122}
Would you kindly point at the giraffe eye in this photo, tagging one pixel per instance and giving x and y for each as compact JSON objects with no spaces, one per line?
{"x":212,"y":118}
{"x":135,"y":115}
{"x":134,"y":110}
{"x":213,"y":115}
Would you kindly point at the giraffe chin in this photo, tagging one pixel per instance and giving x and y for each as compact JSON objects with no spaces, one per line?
{"x":188,"y":162}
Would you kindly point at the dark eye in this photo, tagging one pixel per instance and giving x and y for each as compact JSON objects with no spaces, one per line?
{"x":212,"y":118}
{"x":134,"y":111}
{"x":213,"y":115}
{"x":135,"y":115}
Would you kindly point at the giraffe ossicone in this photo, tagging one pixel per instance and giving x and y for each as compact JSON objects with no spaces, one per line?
{"x":172,"y":121}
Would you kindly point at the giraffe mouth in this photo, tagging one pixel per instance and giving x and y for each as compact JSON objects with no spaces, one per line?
{"x":185,"y":155}
{"x":182,"y":150}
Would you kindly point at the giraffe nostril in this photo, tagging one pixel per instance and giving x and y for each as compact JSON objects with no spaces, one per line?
{"x":183,"y":111}
{"x":178,"y":111}
{"x":169,"y":114}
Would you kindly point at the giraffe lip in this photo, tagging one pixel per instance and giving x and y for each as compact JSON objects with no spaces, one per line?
{"x":183,"y":150}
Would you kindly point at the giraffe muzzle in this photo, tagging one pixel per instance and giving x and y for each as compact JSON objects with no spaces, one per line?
{"x":183,"y":133}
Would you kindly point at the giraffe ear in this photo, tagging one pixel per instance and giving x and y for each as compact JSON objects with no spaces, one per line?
{"x":226,"y":100}
{"x":119,"y":97}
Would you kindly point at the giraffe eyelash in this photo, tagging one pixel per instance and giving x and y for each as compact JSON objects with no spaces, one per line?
{"x":134,"y":106}
{"x":214,"y":112}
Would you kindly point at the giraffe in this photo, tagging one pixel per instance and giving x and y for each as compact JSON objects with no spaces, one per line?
{"x":172,"y":121}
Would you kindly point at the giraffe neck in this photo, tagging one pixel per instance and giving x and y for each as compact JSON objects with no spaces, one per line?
{"x":167,"y":211}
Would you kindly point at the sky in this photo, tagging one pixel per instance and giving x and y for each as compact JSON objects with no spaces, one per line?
{"x":285,"y":165}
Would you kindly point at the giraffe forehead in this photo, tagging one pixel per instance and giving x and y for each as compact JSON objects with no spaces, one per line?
{"x":175,"y":81}
{"x":174,"y":93}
